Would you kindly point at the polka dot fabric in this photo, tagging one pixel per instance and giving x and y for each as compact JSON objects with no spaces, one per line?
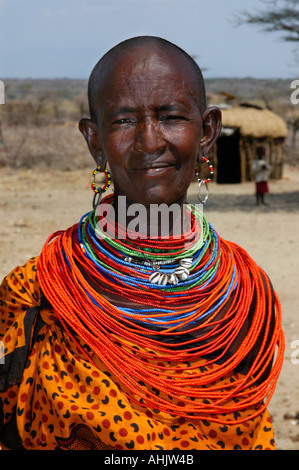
{"x":65,"y":402}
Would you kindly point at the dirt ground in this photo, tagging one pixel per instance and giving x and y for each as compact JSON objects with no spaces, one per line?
{"x":34,"y":204}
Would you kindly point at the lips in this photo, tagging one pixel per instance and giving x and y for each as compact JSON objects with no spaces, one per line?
{"x":155,"y":166}
{"x":155,"y":170}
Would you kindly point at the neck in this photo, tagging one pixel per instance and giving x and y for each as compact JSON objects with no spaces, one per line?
{"x":155,"y":220}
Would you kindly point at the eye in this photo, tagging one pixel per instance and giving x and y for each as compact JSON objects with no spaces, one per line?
{"x":123,"y":121}
{"x":173,"y":117}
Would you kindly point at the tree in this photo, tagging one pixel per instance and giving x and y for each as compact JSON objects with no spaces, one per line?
{"x":279,"y":16}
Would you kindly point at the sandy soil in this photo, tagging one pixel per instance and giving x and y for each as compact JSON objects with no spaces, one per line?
{"x":34,"y":204}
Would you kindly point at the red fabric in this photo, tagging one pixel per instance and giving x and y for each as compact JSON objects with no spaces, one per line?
{"x":262,"y":187}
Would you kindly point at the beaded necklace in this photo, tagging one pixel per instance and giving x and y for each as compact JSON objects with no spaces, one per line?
{"x":107,"y":255}
{"x":78,"y":271}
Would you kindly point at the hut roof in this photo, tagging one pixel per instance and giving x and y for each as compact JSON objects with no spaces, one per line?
{"x":254,"y":122}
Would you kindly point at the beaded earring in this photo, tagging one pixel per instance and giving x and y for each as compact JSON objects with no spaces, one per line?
{"x":205,"y":182}
{"x":99,"y":191}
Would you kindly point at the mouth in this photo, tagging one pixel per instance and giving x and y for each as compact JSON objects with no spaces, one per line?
{"x":155,"y":168}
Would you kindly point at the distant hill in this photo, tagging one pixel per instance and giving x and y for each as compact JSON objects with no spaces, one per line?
{"x":18,"y":89}
{"x":243,"y":88}
{"x":251,"y":88}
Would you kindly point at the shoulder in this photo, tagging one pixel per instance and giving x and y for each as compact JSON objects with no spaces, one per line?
{"x":263,"y":293}
{"x":19,"y":291}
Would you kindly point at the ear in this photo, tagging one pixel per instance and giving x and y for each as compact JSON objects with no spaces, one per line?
{"x":90,"y":132}
{"x":212,"y":124}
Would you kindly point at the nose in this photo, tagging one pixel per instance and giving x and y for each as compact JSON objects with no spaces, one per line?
{"x":149,"y":138}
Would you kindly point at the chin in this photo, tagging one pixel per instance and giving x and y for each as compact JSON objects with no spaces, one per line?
{"x":148,"y":195}
{"x":160,"y":199}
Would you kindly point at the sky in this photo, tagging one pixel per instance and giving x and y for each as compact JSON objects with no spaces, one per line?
{"x":65,"y":38}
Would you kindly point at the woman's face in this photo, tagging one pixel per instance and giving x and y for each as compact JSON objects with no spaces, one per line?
{"x":150,"y":127}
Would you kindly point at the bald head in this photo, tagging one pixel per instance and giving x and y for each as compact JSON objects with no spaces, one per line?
{"x":100,"y":74}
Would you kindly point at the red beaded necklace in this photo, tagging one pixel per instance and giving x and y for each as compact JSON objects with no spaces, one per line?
{"x":208,"y":318}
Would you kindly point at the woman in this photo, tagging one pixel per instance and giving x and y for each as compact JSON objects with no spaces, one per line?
{"x":116,"y":339}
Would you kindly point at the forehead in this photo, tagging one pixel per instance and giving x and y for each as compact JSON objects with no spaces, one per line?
{"x":146,"y":72}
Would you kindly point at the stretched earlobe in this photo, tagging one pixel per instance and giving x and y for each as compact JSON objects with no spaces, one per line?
{"x":212,"y":124}
{"x":89,"y":130}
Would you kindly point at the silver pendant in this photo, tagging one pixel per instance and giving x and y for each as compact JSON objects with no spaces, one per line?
{"x":180,"y":273}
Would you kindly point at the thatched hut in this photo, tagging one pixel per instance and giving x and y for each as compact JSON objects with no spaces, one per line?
{"x":244,"y":128}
